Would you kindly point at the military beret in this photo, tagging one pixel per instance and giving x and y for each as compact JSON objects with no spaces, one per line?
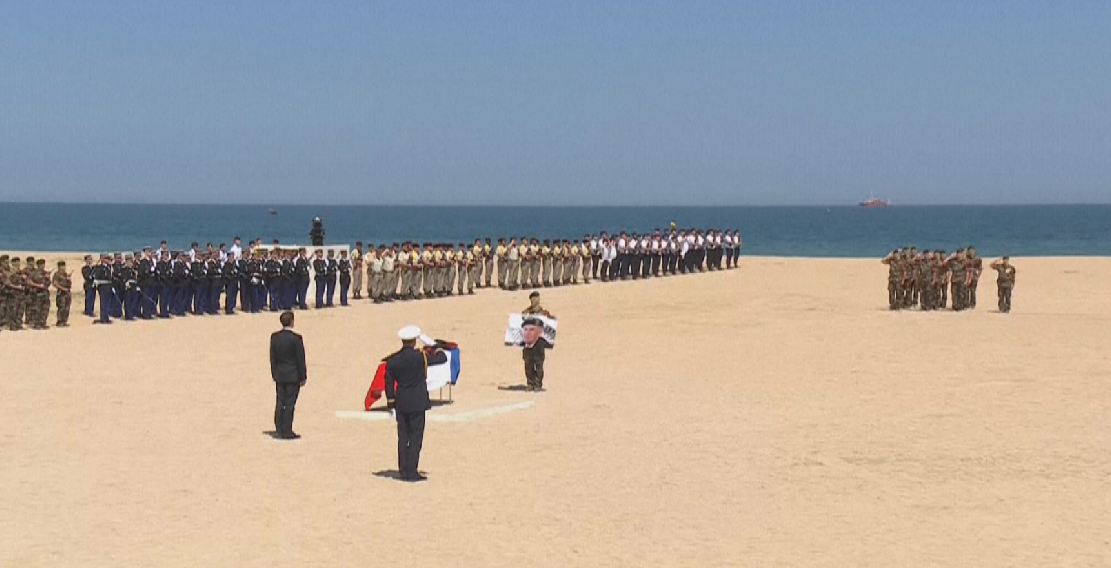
{"x":534,"y":295}
{"x":31,"y":259}
{"x":41,"y":261}
{"x":3,"y":258}
{"x":61,"y":263}
{"x":16,"y":260}
{"x":532,"y":321}
{"x":136,"y":254}
{"x":88,"y":257}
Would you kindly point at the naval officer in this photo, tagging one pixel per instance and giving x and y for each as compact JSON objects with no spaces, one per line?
{"x":407,"y":395}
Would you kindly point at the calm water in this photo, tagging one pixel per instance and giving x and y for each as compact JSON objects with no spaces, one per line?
{"x":780,"y":231}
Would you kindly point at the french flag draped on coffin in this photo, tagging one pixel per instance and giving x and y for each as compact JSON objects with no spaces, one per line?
{"x":439,"y":376}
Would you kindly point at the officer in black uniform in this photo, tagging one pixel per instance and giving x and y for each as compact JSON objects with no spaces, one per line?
{"x":148,"y":285}
{"x":407,"y":395}
{"x":130,"y":281}
{"x":198,"y":277}
{"x":163,"y":272}
{"x":301,"y":271}
{"x":102,"y":279}
{"x":179,"y":270}
{"x":331,"y":271}
{"x":320,"y":276}
{"x":272,"y":268}
{"x":230,"y":272}
{"x":344,"y":267}
{"x":215,"y":271}
{"x":242,"y":269}
{"x":87,"y":285}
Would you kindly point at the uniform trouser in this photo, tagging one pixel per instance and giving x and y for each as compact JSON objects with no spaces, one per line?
{"x":90,"y":301}
{"x":62,"y":301}
{"x":534,"y":370}
{"x":290,"y":292}
{"x":958,"y":295}
{"x":165,"y":299}
{"x":536,"y":273}
{"x":331,"y":289}
{"x":587,"y":269}
{"x":453,"y":274}
{"x":604,"y":270}
{"x":284,"y":405}
{"x":893,"y":295}
{"x":572,"y":269}
{"x":150,"y":300}
{"x":503,"y":272}
{"x":199,"y":295}
{"x":321,"y":286}
{"x":374,"y":285}
{"x":595,"y":265}
{"x":357,"y":283}
{"x":246,"y":295}
{"x":654,"y":270}
{"x":972,"y":294}
{"x":214,"y":289}
{"x":302,"y":299}
{"x":555,"y":272}
{"x":942,"y":296}
{"x":488,"y":265}
{"x":1005,"y":298}
{"x":617,"y":268}
{"x":410,"y":438}
{"x":231,"y":294}
{"x":473,"y":275}
{"x":548,"y":271}
{"x":344,"y":286}
{"x":526,"y":273}
{"x":511,"y":273}
{"x":117,"y":301}
{"x":645,"y":265}
{"x":271,"y":294}
{"x":633,"y":268}
{"x":925,"y":296}
{"x":259,"y":301}
{"x":131,"y":304}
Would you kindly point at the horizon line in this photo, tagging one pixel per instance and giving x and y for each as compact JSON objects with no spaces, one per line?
{"x":505,"y":206}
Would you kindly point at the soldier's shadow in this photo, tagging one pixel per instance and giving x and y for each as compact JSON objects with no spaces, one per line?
{"x":515,"y":388}
{"x":391,"y":474}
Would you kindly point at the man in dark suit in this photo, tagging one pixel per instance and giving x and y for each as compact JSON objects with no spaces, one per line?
{"x":407,"y":395}
{"x":287,"y":367}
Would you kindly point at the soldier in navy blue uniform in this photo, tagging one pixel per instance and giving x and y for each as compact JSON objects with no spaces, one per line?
{"x":148,"y":285}
{"x":407,"y":396}
{"x":131,"y":296}
{"x":320,"y":276}
{"x":344,"y":267}
{"x":332,"y":270}
{"x":289,"y":281}
{"x":273,"y":271}
{"x":301,"y":271}
{"x":164,"y":275}
{"x":88,"y":285}
{"x":230,"y":272}
{"x":214,"y":270}
{"x":199,"y":284}
{"x":179,"y":278}
{"x":258,"y":283}
{"x":117,"y":286}
{"x":102,"y":279}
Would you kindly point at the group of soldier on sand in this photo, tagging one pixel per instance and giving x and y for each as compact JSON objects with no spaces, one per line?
{"x":927,"y":279}
{"x":25,"y":293}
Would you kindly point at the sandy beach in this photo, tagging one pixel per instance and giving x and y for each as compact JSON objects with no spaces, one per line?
{"x":774,"y":415}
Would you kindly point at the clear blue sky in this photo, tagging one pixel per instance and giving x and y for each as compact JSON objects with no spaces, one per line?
{"x":519,"y":102}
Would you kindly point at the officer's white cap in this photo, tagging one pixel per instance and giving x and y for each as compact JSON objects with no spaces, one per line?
{"x":409,"y":333}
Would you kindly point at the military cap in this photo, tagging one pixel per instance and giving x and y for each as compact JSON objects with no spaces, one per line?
{"x":105,"y":255}
{"x":146,"y":249}
{"x":61,"y":264}
{"x":532,"y":321}
{"x":4,"y":258}
{"x":1006,"y":258}
{"x":534,"y":295}
{"x":136,"y":254}
{"x":127,"y":256}
{"x":30,"y":260}
{"x":15,"y":260}
{"x":119,"y":255}
{"x":41,"y":261}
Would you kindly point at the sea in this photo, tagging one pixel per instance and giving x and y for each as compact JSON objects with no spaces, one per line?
{"x":841,"y":232}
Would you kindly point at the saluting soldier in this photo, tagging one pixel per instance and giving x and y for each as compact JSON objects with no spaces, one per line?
{"x":230,"y":273}
{"x":215,"y":271}
{"x":894,"y":279}
{"x":373,"y":261}
{"x":503,"y":264}
{"x":16,"y":294}
{"x":513,"y":259}
{"x":63,"y":295}
{"x":942,"y":269}
{"x":163,"y":275}
{"x":1005,"y":282}
{"x":388,"y":284}
{"x":474,"y":270}
{"x":331,"y":273}
{"x":148,"y":282}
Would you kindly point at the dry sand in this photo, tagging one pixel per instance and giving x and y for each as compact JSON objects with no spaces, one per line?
{"x":776,"y":415}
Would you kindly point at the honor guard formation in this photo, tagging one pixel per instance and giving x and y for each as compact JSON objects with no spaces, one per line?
{"x":926,"y":279}
{"x":163,"y":283}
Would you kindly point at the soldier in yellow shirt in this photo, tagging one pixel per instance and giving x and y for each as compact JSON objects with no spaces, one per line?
{"x":427,"y":263}
{"x":417,"y":268}
{"x":357,"y":271}
{"x":474,"y":271}
{"x":546,"y":256}
{"x":557,"y":263}
{"x":587,"y":260}
{"x":526,"y":264}
{"x":503,"y":263}
{"x":487,"y":259}
{"x":575,"y":261}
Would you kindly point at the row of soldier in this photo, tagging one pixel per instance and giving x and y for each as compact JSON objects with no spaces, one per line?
{"x":25,"y":293}
{"x":164,"y":283}
{"x":927,"y":279}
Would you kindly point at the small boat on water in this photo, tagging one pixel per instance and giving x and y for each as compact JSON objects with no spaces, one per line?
{"x":273,"y":211}
{"x":874,"y":202}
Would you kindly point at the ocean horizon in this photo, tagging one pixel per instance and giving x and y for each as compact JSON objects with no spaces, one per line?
{"x":768,"y":230}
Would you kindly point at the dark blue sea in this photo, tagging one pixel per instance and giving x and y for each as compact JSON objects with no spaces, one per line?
{"x":777,"y":231}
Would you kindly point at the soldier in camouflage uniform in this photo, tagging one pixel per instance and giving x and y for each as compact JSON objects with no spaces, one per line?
{"x":3,"y":291}
{"x":1005,"y":282}
{"x":956,"y":264}
{"x":63,"y":296}
{"x":942,"y":280}
{"x":894,"y":279}
{"x":975,"y":268}
{"x":16,"y":295}
{"x":42,"y":294}
{"x":925,"y":281}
